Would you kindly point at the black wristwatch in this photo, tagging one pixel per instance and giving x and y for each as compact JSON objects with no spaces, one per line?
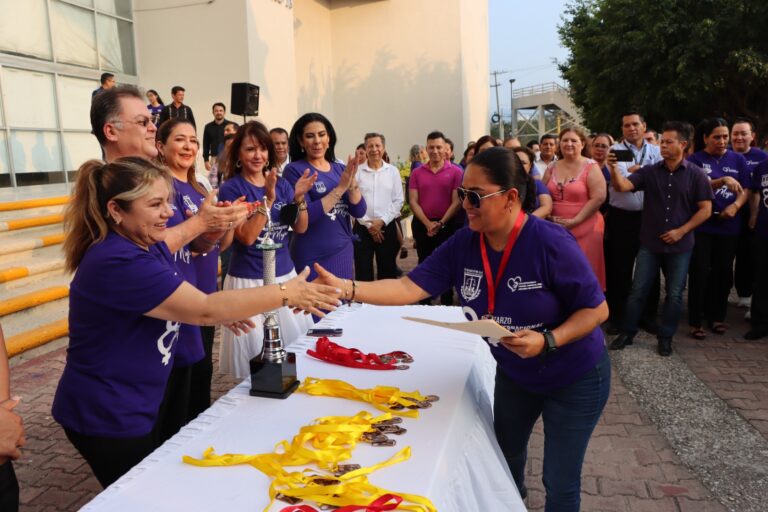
{"x":550,"y":346}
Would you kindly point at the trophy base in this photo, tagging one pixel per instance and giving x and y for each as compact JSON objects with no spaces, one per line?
{"x":274,"y":380}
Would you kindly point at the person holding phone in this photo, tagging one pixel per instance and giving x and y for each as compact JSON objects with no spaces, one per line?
{"x":250,"y":168}
{"x":711,"y":271}
{"x":535,"y":281}
{"x":622,"y":224}
{"x":677,"y":199}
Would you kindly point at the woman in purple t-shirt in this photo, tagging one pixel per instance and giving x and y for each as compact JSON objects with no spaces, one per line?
{"x":127,"y":299}
{"x":531,"y":277}
{"x":332,"y":202}
{"x":710,"y":274}
{"x":155,"y":106}
{"x":249,"y":174}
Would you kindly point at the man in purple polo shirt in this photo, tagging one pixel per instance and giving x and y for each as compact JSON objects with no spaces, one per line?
{"x":434,"y":201}
{"x":677,"y":199}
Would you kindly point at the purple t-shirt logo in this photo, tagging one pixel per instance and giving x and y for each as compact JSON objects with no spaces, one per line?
{"x":172,"y":330}
{"x":470,"y":287}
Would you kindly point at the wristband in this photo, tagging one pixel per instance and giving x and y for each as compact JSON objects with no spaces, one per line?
{"x":284,"y":288}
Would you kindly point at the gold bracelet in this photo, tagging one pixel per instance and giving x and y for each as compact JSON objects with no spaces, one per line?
{"x":284,"y":288}
{"x":302,"y":205}
{"x":262,"y":210}
{"x":344,"y":287}
{"x":354,"y":291}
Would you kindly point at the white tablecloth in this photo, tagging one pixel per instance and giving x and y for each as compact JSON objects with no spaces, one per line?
{"x":455,"y":460}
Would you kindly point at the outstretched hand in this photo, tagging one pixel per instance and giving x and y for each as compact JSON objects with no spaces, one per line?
{"x":311,"y":297}
{"x":219,"y":218}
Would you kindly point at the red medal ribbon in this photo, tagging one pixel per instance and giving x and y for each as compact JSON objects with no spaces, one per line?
{"x":331,"y":352}
{"x":383,"y":503}
{"x":494,"y":284}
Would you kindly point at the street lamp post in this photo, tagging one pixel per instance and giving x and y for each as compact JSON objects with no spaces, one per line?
{"x":513,"y":124}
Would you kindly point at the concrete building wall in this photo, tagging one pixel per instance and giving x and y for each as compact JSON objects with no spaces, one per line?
{"x":200,"y":47}
{"x":475,"y":63}
{"x":314,"y":57}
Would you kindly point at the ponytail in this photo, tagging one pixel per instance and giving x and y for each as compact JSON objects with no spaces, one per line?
{"x":86,"y":220}
{"x":528,"y":194}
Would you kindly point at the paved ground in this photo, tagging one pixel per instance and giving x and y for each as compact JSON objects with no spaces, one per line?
{"x":635,"y":461}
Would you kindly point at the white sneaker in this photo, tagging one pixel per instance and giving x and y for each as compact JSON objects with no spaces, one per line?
{"x":744,"y":302}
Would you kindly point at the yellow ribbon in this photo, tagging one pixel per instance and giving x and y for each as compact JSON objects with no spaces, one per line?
{"x":331,"y":439}
{"x":381,"y":397}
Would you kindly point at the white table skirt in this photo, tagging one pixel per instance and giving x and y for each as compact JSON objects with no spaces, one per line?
{"x":455,"y":460}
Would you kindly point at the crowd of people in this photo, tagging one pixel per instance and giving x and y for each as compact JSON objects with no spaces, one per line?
{"x":559,"y":241}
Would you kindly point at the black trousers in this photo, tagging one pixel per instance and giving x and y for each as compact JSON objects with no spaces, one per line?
{"x":744,"y":272}
{"x":110,"y":458}
{"x":174,"y":409}
{"x":385,"y":253}
{"x":426,"y":245}
{"x":9,"y":488}
{"x":759,"y":309}
{"x":200,"y":377}
{"x":710,"y":277}
{"x":622,"y":241}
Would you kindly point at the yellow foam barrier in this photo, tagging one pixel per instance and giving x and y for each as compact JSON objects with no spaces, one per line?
{"x":30,"y":300}
{"x":37,"y":337}
{"x":43,"y":220}
{"x":33,"y":203}
{"x":12,"y":273}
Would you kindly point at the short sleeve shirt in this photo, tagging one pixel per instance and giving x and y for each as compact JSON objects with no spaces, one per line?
{"x":248,"y":261}
{"x":435,"y":189}
{"x":671,"y":199}
{"x":760,"y":186}
{"x":730,"y":164}
{"x":547,"y":278}
{"x":118,"y":359}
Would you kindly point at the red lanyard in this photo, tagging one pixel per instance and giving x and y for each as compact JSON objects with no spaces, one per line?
{"x":494,"y":284}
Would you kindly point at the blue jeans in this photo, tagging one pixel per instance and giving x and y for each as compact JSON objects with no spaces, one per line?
{"x":570,"y":415}
{"x":675,"y":268}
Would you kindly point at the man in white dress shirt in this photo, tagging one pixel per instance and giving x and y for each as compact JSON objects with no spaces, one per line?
{"x":382,"y":188}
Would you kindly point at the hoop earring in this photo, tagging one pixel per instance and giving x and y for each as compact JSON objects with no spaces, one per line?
{"x":238,"y":164}
{"x":266,"y":165}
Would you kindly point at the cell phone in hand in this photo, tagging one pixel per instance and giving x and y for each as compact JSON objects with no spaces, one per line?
{"x":330,"y":332}
{"x":623,"y":155}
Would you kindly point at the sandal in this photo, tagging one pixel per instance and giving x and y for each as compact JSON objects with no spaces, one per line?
{"x":718,"y":328}
{"x":697,"y":333}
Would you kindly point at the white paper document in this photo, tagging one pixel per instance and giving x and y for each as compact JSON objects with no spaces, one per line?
{"x":486,"y":327}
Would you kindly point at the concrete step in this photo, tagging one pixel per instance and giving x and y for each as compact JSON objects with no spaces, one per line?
{"x":32,"y":319}
{"x":6,"y":215}
{"x":30,"y":252}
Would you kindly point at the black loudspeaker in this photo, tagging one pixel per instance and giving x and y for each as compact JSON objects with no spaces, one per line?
{"x":245,"y":99}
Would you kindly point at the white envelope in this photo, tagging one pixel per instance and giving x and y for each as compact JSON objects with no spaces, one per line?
{"x":486,"y":327}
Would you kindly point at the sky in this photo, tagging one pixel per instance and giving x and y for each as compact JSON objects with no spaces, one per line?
{"x":524,"y":41}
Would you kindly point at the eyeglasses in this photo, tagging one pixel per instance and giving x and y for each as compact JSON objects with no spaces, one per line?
{"x":143,"y":122}
{"x":473,"y":197}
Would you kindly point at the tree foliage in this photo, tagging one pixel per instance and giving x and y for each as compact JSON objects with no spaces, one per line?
{"x":670,"y":59}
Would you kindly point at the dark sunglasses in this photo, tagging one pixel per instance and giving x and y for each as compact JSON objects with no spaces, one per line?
{"x":473,"y":197}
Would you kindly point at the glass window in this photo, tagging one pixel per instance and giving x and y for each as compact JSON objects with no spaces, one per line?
{"x":35,"y":151}
{"x":28,"y":97}
{"x":74,"y":34}
{"x":79,"y":147}
{"x":121,"y":8}
{"x":25,"y":33}
{"x":75,"y":101}
{"x":116,"y":44}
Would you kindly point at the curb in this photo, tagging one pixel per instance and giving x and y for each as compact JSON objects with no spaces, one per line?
{"x":33,"y":203}
{"x":37,"y":337}
{"x":30,"y":300}
{"x":13,"y":273}
{"x":31,"y":243}
{"x":43,"y":220}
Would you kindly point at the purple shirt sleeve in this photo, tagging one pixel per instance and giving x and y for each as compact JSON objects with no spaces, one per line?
{"x":435,"y":275}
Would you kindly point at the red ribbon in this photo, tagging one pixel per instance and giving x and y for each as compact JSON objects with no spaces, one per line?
{"x":333,"y":353}
{"x":494,"y":284}
{"x":384,"y":502}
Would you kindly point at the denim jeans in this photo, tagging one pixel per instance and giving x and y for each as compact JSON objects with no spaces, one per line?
{"x":569,"y":414}
{"x":675,"y":269}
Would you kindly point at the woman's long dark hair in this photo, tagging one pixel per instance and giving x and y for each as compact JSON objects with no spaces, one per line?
{"x":704,"y":129}
{"x":259,"y":132}
{"x":294,"y":139}
{"x":159,"y":99}
{"x":504,"y":168}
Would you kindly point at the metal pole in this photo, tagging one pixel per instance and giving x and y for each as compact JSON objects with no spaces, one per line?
{"x":513,"y":124}
{"x":498,"y":112}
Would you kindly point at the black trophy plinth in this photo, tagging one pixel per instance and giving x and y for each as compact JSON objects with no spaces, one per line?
{"x":270,"y":379}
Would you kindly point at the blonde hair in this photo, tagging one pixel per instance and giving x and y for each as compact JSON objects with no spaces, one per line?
{"x":86,"y":219}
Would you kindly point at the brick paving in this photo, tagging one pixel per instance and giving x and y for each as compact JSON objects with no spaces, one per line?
{"x":630,"y":466}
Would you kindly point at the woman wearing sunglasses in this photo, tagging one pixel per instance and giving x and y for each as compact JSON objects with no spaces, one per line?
{"x":578,"y":189}
{"x":531,"y":277}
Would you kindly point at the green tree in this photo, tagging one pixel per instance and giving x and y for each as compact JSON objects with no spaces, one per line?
{"x":670,"y":59}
